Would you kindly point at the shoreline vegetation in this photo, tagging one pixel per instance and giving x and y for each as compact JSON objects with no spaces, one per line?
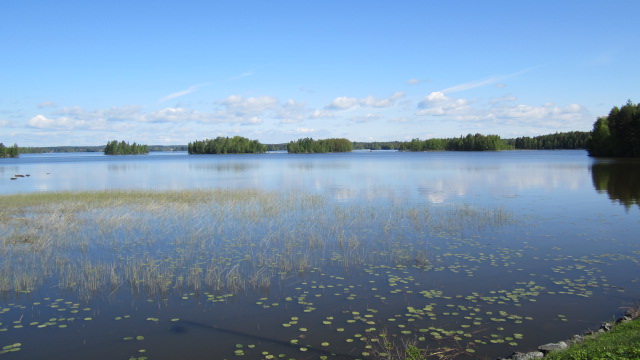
{"x":619,"y":340}
{"x":615,"y":135}
{"x":618,"y":134}
{"x":251,"y":243}
{"x":310,"y":146}
{"x":226,"y":145}
{"x":6,"y":152}
{"x":574,"y":140}
{"x":123,"y":148}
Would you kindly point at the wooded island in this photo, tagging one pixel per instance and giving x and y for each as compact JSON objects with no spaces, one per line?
{"x":11,"y":151}
{"x":123,"y":148}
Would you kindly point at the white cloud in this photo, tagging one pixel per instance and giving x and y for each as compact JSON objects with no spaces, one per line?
{"x":346,"y":103}
{"x":547,"y":115}
{"x":413,"y":81}
{"x":175,"y":115}
{"x":381,"y":103}
{"x":249,"y":105}
{"x":342,"y":103}
{"x":304,"y":130}
{"x":291,"y":112}
{"x":62,"y":123}
{"x":506,"y":98}
{"x":503,"y":111}
{"x":321,"y":114}
{"x":246,"y":111}
{"x":71,"y":118}
{"x":433,"y":97}
{"x":437,"y":103}
{"x":181,"y":93}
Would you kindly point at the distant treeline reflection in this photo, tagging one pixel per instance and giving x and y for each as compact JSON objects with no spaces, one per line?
{"x":620,"y":179}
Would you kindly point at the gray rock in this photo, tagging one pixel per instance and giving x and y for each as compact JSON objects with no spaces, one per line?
{"x":553,"y":347}
{"x":527,"y":356}
{"x":575,"y":339}
{"x":624,"y":319}
{"x":578,"y":338}
{"x":605,"y":326}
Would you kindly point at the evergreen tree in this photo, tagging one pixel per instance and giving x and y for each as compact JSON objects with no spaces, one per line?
{"x":617,"y":134}
{"x":225,"y":145}
{"x":122,"y":148}
{"x":12,"y":151}
{"x":308,"y":146}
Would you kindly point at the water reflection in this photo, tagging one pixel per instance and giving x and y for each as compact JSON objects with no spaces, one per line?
{"x":413,"y":177}
{"x":228,"y":167}
{"x":620,"y":179}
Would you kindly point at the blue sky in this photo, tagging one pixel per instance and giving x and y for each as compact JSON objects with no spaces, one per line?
{"x":170,"y":72}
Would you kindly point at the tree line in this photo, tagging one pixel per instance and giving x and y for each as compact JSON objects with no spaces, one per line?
{"x":226,"y":145}
{"x":477,"y":142}
{"x":377,"y":145}
{"x":617,"y":134}
{"x":310,"y":146}
{"x":123,"y":148}
{"x":572,"y":140}
{"x":11,"y":151}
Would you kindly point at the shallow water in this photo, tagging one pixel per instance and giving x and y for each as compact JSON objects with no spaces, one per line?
{"x":485,"y":253}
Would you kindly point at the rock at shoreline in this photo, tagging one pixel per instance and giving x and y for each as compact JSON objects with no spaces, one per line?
{"x":525,"y":356}
{"x":553,"y":347}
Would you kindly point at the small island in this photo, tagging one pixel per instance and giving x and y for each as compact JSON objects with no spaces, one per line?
{"x":310,"y":146}
{"x":470,"y":142}
{"x":9,"y":152}
{"x":123,"y":148}
{"x":226,"y":145}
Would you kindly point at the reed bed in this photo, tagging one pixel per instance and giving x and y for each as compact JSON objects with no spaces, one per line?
{"x":200,"y":240}
{"x":387,"y":277}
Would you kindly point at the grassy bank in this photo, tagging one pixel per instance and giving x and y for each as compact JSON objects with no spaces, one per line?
{"x":622,"y":342}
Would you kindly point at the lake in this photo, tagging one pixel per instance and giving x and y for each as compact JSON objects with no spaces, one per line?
{"x":312,"y":256}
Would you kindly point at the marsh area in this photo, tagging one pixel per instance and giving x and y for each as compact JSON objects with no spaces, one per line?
{"x":327,"y":256}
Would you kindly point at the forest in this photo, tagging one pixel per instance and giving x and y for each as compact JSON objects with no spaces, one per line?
{"x":559,"y":141}
{"x":470,"y":142}
{"x":572,"y":140}
{"x":310,"y":146}
{"x":11,"y":151}
{"x":226,"y":145}
{"x":122,"y":148}
{"x":376,"y":145}
{"x":618,"y":134}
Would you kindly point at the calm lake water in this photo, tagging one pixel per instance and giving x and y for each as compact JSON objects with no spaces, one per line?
{"x":487,"y":253}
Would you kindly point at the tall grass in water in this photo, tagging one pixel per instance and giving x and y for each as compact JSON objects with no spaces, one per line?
{"x":206,"y":240}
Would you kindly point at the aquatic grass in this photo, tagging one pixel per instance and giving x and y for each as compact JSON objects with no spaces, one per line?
{"x":315,"y":257}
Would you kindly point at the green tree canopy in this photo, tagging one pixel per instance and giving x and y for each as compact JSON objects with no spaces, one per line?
{"x":308,"y":146}
{"x":477,"y":142}
{"x":565,"y":140}
{"x":11,"y":151}
{"x":226,"y":145}
{"x":617,"y":134}
{"x":123,"y":148}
